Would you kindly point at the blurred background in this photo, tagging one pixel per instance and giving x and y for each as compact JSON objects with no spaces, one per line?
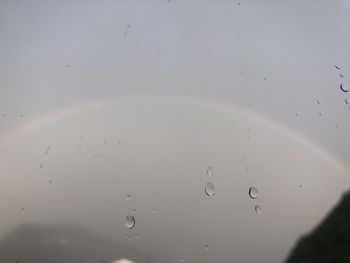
{"x":170,"y":131}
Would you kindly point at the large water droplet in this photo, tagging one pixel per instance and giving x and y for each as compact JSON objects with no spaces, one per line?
{"x":129,"y":222}
{"x":257,"y":209}
{"x":253,"y":192}
{"x":209,"y":189}
{"x":344,"y":87}
{"x":210,"y":171}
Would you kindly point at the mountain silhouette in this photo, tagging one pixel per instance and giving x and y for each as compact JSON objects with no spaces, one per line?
{"x":33,"y":243}
{"x":330,"y":241}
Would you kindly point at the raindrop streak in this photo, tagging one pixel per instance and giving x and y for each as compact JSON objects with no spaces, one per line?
{"x":128,"y":197}
{"x":253,"y":192}
{"x":347,"y":101}
{"x":209,"y":189}
{"x":344,"y":87}
{"x":257,"y":209}
{"x":129,"y":222}
{"x":210,"y":171}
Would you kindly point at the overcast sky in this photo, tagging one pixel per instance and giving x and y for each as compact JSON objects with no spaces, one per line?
{"x":140,"y":98}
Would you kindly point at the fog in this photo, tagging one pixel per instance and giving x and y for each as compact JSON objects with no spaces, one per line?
{"x":101,"y":100}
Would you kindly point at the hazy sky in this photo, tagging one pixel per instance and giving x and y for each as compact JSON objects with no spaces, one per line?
{"x":139,"y":98}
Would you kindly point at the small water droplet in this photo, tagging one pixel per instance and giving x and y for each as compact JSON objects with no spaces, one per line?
{"x":257,"y":209}
{"x":247,"y":169}
{"x":134,"y":211}
{"x":105,"y":141}
{"x":296,"y":114}
{"x":320,"y":113}
{"x":81,"y":137}
{"x":341,"y":75}
{"x":344,"y":87}
{"x":347,"y":101}
{"x":170,"y":251}
{"x":129,"y":222}
{"x":41,"y":165}
{"x":49,"y":181}
{"x":206,"y":247}
{"x":182,"y":260}
{"x":337,"y":66}
{"x":253,"y":192}
{"x":318,"y":102}
{"x":128,"y":197}
{"x":75,"y":250}
{"x":209,"y":189}
{"x":300,"y":185}
{"x":22,"y":210}
{"x":210,"y":171}
{"x":137,"y":236}
{"x":154,"y":211}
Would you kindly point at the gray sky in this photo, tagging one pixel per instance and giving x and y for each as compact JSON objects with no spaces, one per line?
{"x":175,"y":87}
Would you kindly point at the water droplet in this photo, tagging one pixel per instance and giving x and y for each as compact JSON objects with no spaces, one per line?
{"x":347,"y":101}
{"x":41,"y":165}
{"x":341,"y":75}
{"x":137,"y":236}
{"x":320,"y":113}
{"x":75,"y":250}
{"x":300,"y":185}
{"x":49,"y":181}
{"x":336,"y":66}
{"x":206,"y":247}
{"x":182,"y":260}
{"x":253,"y":192}
{"x":210,"y":171}
{"x":296,"y":114}
{"x":344,"y":87}
{"x":209,"y":189}
{"x":129,"y":222}
{"x":134,"y":211}
{"x":128,"y":197}
{"x":318,"y":102}
{"x":47,"y":150}
{"x":81,"y":137}
{"x":105,"y":141}
{"x":257,"y":209}
{"x":22,"y":210}
{"x":154,"y":211}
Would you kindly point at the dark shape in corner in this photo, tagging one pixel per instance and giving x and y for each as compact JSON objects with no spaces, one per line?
{"x":330,"y":241}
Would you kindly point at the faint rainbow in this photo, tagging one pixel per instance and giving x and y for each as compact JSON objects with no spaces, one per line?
{"x":222,"y":105}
